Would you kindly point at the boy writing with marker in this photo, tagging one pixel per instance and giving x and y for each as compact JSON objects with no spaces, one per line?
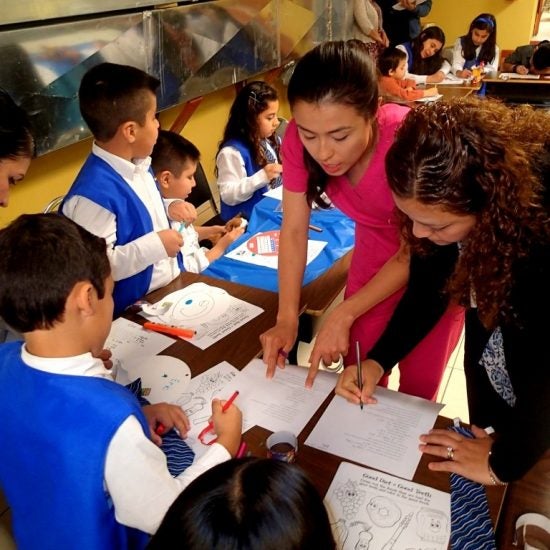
{"x":115,"y":196}
{"x":88,"y":475}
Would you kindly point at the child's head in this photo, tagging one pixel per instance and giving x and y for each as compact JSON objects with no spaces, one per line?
{"x":393,"y":62}
{"x":174,"y":161}
{"x":482,"y":33}
{"x":252,"y":503}
{"x":426,"y":47}
{"x":16,"y":145}
{"x":44,"y":260}
{"x":430,"y":41}
{"x":253,"y":115}
{"x":540,"y":62}
{"x":119,"y":97}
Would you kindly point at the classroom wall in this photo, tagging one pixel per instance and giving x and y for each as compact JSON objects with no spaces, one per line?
{"x":515,"y":19}
{"x":51,"y":175}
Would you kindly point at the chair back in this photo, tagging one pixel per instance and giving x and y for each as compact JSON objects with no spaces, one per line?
{"x":281,"y":129}
{"x":53,"y":205}
{"x":201,"y":194}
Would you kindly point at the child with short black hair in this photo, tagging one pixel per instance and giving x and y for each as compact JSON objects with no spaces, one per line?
{"x":114,"y":196}
{"x":174,"y":161}
{"x":392,"y":65}
{"x":88,"y":475}
{"x":252,"y":503}
{"x":529,"y":59}
{"x":247,"y":162}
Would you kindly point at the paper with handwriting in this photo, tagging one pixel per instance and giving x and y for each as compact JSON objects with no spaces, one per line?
{"x":375,"y":511}
{"x":384,"y":436}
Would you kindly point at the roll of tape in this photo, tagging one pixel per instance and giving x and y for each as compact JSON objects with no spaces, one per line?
{"x":282,"y":446}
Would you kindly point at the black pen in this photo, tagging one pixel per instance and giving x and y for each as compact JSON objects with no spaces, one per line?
{"x":359,"y":371}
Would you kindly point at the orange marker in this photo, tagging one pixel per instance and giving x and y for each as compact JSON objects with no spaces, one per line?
{"x":166,"y":329}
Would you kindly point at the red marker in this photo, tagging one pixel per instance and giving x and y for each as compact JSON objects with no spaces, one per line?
{"x":210,"y":427}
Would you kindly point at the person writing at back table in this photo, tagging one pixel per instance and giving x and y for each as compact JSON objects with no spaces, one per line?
{"x":472,"y":179}
{"x":425,"y":64}
{"x":529,"y":59}
{"x":337,"y":142}
{"x":89,"y":475}
{"x":477,"y":47}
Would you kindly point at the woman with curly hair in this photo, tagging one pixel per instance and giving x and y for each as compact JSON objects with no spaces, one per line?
{"x":472,"y":180}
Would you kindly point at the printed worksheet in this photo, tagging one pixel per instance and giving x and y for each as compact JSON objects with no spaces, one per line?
{"x":129,"y":340}
{"x":282,"y":402}
{"x":196,"y":400}
{"x":208,"y":310}
{"x":384,"y":436}
{"x":263,"y":249}
{"x":375,"y":511}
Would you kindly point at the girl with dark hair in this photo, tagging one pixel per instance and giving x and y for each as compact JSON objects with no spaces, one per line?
{"x":472,"y":179}
{"x":16,"y":145}
{"x":336,"y":144}
{"x":248,"y":504}
{"x":477,"y":47}
{"x":247,"y":162}
{"x":425,"y":64}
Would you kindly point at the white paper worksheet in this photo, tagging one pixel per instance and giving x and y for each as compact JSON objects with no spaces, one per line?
{"x":384,"y":436}
{"x":268,"y":256}
{"x":209,"y":310}
{"x":129,"y":340}
{"x":282,"y":402}
{"x":369,"y":509}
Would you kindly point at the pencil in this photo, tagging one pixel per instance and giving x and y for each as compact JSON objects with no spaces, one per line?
{"x":315,"y":228}
{"x":173,"y":331}
{"x":359,"y":370}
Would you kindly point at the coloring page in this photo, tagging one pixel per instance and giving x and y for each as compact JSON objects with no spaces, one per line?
{"x":263,"y":249}
{"x":370,"y":510}
{"x":208,"y":310}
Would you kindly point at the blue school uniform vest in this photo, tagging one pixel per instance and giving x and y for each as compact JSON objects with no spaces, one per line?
{"x":229,"y":211}
{"x":410,"y":59}
{"x":98,"y":182}
{"x":55,"y":432}
{"x":469,"y":63}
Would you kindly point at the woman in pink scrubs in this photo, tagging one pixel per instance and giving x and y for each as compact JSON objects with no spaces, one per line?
{"x":336,"y":144}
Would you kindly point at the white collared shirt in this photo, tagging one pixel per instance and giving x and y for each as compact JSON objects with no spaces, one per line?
{"x":135,"y":256}
{"x":136,"y":475}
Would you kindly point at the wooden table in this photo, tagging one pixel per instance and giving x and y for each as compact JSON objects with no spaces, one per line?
{"x":533,"y":92}
{"x":242,"y":345}
{"x":239,"y":347}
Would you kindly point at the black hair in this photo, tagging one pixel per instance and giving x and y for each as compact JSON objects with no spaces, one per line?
{"x":541,"y":57}
{"x":428,"y":65}
{"x":483,"y":22}
{"x":337,"y":72}
{"x":242,"y":124}
{"x":247,"y":504}
{"x":15,"y":130}
{"x":171,"y":152}
{"x":389,"y":60}
{"x":112,"y":94}
{"x":42,"y":257}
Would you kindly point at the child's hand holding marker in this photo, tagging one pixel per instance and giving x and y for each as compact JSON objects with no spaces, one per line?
{"x":162,"y":417}
{"x":226,"y":424}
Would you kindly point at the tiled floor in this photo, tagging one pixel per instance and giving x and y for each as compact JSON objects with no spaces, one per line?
{"x":452,"y":391}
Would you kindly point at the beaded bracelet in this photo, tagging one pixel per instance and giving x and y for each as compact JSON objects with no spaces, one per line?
{"x":492,"y":476}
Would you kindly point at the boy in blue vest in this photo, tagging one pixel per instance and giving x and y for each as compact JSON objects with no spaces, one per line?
{"x":114,"y":196}
{"x":174,"y":161}
{"x":78,"y":466}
